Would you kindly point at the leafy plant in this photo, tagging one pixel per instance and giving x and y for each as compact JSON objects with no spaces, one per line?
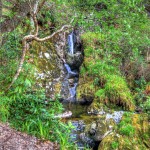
{"x":114,"y":145}
{"x":33,"y":114}
{"x":125,"y":127}
{"x":146,"y":106}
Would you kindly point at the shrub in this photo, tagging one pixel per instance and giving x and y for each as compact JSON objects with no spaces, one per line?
{"x":127,"y":129}
{"x":33,"y":114}
{"x":114,"y":145}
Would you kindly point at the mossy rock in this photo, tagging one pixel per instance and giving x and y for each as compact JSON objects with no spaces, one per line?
{"x":101,"y":80}
{"x":97,"y":108}
{"x":116,"y":92}
{"x":57,"y":87}
{"x":85,"y":89}
{"x":48,"y":67}
{"x":98,"y":129}
{"x":138,"y":140}
{"x":74,"y":61}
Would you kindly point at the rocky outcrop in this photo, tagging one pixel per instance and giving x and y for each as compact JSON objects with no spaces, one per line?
{"x":100,"y":81}
{"x":132,"y":133}
{"x":100,"y":127}
{"x":50,"y":70}
{"x":85,"y":90}
{"x":52,"y":73}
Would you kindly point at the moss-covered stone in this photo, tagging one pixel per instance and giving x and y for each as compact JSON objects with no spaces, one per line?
{"x":101,"y":80}
{"x":48,"y":67}
{"x":86,"y":89}
{"x":138,"y":140}
{"x":97,"y":130}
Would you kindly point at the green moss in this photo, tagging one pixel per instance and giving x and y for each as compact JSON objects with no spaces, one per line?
{"x":114,"y":145}
{"x":106,"y":83}
{"x":86,"y":89}
{"x":116,"y":92}
{"x":132,"y":133}
{"x":127,"y":130}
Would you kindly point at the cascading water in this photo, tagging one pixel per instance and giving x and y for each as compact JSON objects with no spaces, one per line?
{"x":70,"y":73}
{"x":72,"y":87}
{"x":71,"y":43}
{"x":69,"y":70}
{"x":70,"y":84}
{"x":87,"y":126}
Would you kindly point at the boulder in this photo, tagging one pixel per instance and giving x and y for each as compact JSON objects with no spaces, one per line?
{"x":98,"y":129}
{"x":126,"y":139}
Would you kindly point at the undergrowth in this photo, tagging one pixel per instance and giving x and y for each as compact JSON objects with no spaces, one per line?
{"x":35,"y":115}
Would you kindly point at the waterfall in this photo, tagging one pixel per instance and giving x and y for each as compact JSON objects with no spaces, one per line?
{"x":72,"y":75}
{"x":73,"y":59}
{"x":72,"y":88}
{"x":69,"y":70}
{"x":71,"y":43}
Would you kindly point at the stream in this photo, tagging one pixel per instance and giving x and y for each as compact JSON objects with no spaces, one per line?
{"x":78,"y":114}
{"x":75,"y":109}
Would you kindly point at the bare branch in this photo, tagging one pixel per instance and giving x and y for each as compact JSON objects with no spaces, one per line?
{"x":24,"y":42}
{"x":36,"y":25}
{"x":30,"y":38}
{"x":35,"y":37}
{"x":49,"y":37}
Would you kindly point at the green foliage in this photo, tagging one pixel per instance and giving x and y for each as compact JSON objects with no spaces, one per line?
{"x":24,"y":105}
{"x":127,"y":130}
{"x":116,"y":91}
{"x":116,"y":35}
{"x":118,"y":38}
{"x":125,"y":127}
{"x":146,"y":106}
{"x":33,"y":114}
{"x":9,"y":54}
{"x":4,"y":108}
{"x":112,"y":85}
{"x":30,"y":114}
{"x":114,"y":145}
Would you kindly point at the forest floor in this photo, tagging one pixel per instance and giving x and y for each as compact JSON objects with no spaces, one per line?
{"x":10,"y":139}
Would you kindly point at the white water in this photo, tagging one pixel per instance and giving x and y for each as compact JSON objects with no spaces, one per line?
{"x":71,"y":43}
{"x":69,"y":70}
{"x":72,"y":90}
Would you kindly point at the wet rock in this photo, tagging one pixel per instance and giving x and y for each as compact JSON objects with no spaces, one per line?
{"x":122,"y":141}
{"x":116,"y":116}
{"x":85,"y":100}
{"x":50,"y":69}
{"x":66,"y":114}
{"x":98,"y":130}
{"x":85,"y":139}
{"x":71,"y":82}
{"x":96,"y":109}
{"x":85,"y":90}
{"x":74,"y":60}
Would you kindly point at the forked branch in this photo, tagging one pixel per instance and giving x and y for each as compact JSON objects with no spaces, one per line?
{"x":30,"y":38}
